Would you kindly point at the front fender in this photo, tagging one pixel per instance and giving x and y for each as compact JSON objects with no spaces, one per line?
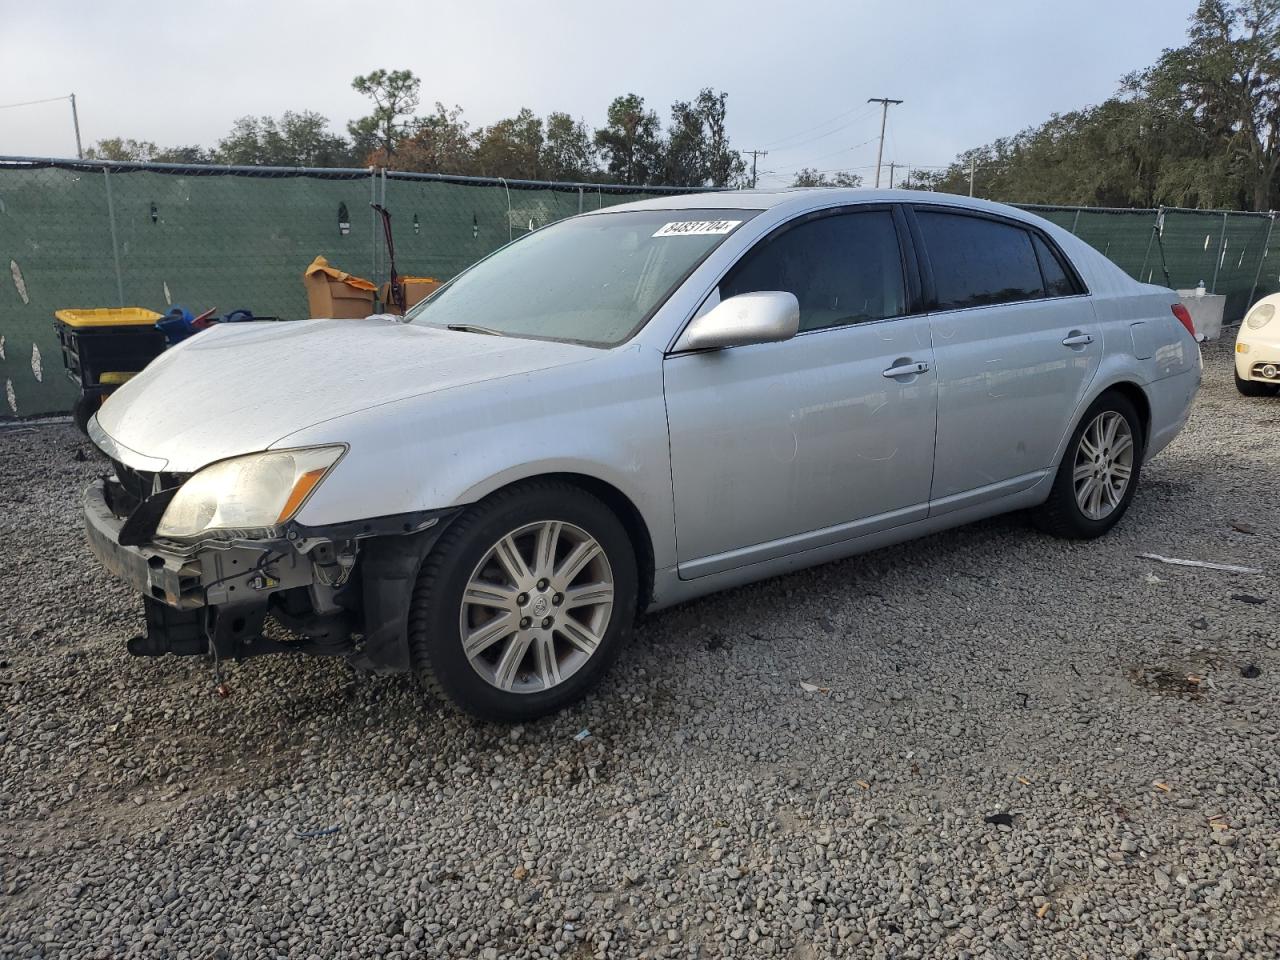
{"x":605,"y":419}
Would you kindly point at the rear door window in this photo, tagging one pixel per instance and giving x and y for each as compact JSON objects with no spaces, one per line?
{"x":843,"y":269}
{"x":979,"y":262}
{"x":1057,"y":281}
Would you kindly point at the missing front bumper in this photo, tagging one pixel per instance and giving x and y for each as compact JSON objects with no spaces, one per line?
{"x":216,"y":597}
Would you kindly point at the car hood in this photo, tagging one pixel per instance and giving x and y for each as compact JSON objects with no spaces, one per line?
{"x":238,"y":388}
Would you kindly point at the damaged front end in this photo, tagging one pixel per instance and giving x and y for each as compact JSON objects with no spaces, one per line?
{"x":339,"y":590}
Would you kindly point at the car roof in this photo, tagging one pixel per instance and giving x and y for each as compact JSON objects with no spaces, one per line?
{"x":796,"y":199}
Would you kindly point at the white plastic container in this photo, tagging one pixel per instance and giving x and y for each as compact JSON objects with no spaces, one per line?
{"x":1206,"y":312}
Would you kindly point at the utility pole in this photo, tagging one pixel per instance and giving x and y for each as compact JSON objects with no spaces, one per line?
{"x":973,"y":170}
{"x":754,"y":154}
{"x":884,"y":116}
{"x":75,"y":119}
{"x":892,"y":166}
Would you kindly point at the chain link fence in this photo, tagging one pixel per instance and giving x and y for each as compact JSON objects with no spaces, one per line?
{"x":94,"y":234}
{"x":1175,"y":247}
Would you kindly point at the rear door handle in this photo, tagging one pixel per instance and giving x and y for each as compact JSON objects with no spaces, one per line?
{"x":1079,"y":340}
{"x":906,"y":370}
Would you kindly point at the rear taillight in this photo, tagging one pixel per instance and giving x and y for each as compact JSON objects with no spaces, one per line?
{"x":1184,"y":318}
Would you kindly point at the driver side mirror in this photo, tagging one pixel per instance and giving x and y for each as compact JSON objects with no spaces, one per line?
{"x":765,"y":317}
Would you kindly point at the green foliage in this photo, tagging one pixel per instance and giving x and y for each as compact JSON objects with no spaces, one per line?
{"x":630,"y":142}
{"x":568,"y":151}
{"x":808,"y":177}
{"x":697,"y":151}
{"x":511,"y":147}
{"x":395,"y":96}
{"x":294,"y":140}
{"x":122,"y":148}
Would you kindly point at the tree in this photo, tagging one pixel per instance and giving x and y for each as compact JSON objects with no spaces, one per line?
{"x":1228,"y":78}
{"x":631,"y":141}
{"x":698,"y":152}
{"x":567,"y":151}
{"x":294,"y":140}
{"x":124,"y":148}
{"x":192,"y":154}
{"x":121,"y":148}
{"x":394,"y":95}
{"x":511,"y":147}
{"x":808,"y":177}
{"x":438,"y":143}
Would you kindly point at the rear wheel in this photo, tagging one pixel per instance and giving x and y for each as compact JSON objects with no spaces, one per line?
{"x":1253,"y":388}
{"x":1099,"y":472}
{"x":524,"y":602}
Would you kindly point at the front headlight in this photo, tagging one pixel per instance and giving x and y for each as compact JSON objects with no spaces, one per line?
{"x":247,"y":495}
{"x":1261,"y":315}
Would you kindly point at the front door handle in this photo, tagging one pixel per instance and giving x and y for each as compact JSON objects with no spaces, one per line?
{"x":906,"y":370}
{"x":1078,"y":340}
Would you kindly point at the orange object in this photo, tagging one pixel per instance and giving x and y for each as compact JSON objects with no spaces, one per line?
{"x":333,"y":293}
{"x":416,"y":289}
{"x":306,"y":483}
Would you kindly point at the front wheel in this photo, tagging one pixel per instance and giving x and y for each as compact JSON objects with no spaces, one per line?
{"x":1098,"y":474}
{"x":524,"y":602}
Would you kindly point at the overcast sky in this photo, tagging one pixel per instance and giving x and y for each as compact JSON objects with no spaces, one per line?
{"x":798,"y":74}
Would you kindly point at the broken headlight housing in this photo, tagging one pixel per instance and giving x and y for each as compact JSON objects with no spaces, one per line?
{"x":246,"y":496}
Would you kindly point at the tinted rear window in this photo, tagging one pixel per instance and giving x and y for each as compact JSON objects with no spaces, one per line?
{"x":1057,"y":282}
{"x":978,"y":262}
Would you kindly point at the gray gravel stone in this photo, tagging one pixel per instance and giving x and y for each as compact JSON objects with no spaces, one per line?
{"x":718,"y":810}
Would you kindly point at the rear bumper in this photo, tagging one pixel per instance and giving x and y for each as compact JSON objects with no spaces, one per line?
{"x":1171,"y":399}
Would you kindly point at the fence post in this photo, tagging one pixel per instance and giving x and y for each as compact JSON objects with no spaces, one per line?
{"x":1257,"y":274}
{"x":373,"y":224}
{"x":1075,"y":222}
{"x":1222,"y":252}
{"x":115,"y":246}
{"x":383,"y":268}
{"x":579,"y":199}
{"x":1150,"y":240}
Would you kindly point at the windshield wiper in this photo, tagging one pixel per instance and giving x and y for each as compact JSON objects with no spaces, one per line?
{"x":474,"y":328}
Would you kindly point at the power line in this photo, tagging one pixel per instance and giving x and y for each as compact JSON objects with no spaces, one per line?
{"x":838,"y":116}
{"x":754,"y":154}
{"x":32,"y":103}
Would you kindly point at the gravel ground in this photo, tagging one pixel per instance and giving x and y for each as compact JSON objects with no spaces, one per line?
{"x":718,"y":807}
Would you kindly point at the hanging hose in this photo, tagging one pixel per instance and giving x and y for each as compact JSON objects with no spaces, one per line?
{"x":397,"y":291}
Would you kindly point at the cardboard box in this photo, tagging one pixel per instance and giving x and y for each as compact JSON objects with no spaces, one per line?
{"x":416,"y":289}
{"x":332,"y":293}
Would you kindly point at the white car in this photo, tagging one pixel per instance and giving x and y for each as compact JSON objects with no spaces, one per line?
{"x":1258,"y":349}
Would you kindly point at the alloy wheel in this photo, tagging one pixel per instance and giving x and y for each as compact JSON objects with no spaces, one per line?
{"x":1103,"y":465}
{"x":536,"y":607}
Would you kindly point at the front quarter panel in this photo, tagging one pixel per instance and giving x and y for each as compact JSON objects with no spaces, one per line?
{"x":603,"y":418}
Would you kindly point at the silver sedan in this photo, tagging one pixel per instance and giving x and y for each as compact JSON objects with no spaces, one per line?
{"x":622,"y":411}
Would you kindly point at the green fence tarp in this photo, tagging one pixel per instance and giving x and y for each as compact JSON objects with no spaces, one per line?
{"x":81,"y":234}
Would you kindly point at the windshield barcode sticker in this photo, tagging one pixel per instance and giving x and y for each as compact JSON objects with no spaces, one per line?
{"x":697,"y":228}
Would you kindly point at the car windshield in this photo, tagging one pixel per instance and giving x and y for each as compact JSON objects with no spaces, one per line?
{"x":595,"y":279}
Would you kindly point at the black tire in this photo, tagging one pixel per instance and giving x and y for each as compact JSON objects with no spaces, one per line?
{"x":1253,"y":388}
{"x":435,"y":639}
{"x":1061,"y":515}
{"x":83,"y":410}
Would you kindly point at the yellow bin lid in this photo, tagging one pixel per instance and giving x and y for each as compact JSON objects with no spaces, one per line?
{"x":109,"y":317}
